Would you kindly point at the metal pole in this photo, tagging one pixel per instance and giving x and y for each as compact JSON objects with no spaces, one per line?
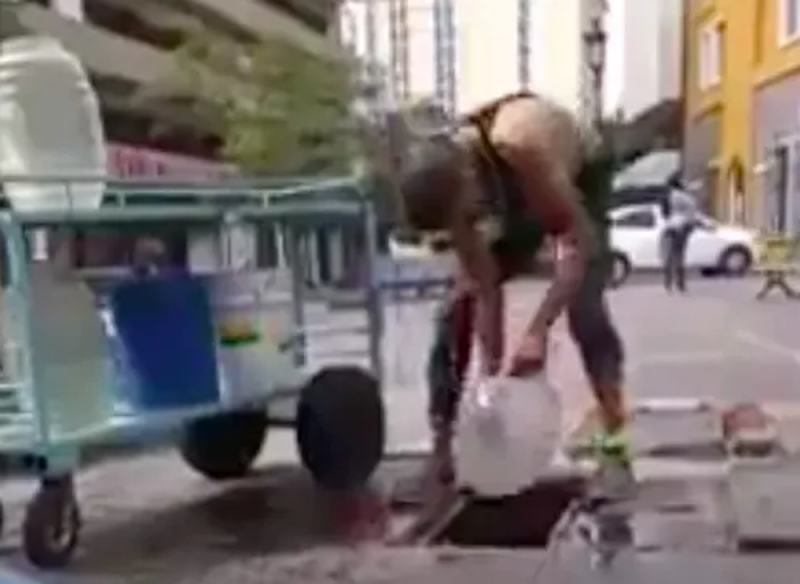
{"x":297,"y":272}
{"x":524,"y":43}
{"x":594,"y":45}
{"x":372,"y":287}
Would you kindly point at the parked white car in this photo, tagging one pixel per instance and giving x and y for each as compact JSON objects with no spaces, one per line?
{"x":636,"y":236}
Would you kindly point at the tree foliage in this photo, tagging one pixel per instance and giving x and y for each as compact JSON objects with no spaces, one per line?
{"x":278,"y":109}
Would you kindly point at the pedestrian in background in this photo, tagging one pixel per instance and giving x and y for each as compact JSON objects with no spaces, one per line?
{"x":679,"y":222}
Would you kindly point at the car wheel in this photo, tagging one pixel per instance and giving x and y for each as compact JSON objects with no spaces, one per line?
{"x":620,"y":270}
{"x":709,"y":272}
{"x":735,"y":261}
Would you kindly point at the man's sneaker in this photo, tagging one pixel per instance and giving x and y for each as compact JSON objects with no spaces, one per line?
{"x":614,"y":479}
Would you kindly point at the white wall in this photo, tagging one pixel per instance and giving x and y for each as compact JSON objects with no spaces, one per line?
{"x":421,"y":42}
{"x":671,"y":46}
{"x":487,"y":50}
{"x":557,"y":50}
{"x":649,"y":53}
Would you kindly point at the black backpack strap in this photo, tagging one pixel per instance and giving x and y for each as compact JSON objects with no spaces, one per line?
{"x":502,"y":189}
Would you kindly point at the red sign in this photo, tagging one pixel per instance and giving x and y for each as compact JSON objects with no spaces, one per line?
{"x":145,"y":163}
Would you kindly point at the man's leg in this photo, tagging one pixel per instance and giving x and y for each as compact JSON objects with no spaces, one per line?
{"x":669,"y":259}
{"x":680,"y":257}
{"x":447,"y":366}
{"x":600,"y":346}
{"x":602,"y":352}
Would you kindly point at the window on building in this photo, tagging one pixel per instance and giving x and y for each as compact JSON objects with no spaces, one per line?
{"x":781,"y":187}
{"x":789,"y":21}
{"x":710,"y":54}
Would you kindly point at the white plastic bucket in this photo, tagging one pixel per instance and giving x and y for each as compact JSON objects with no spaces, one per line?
{"x":507,"y":434}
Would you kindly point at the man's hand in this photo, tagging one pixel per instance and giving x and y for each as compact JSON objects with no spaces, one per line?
{"x":531,"y":355}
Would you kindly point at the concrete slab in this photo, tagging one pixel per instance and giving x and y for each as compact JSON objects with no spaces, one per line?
{"x":173,"y":527}
{"x":763,"y":495}
{"x":453,"y":566}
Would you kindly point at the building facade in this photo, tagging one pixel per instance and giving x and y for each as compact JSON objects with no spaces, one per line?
{"x":463,"y":53}
{"x":127,"y":45}
{"x":459,"y":53}
{"x":644,"y":54}
{"x":742,"y":80}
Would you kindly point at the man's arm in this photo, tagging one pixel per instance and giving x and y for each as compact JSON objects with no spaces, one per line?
{"x":482,"y":269}
{"x":550,"y":191}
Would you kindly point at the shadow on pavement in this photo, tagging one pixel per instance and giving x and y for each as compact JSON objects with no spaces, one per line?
{"x":274,"y":510}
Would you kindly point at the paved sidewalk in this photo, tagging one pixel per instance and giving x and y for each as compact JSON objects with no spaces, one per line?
{"x":451,"y":566}
{"x":150,"y":521}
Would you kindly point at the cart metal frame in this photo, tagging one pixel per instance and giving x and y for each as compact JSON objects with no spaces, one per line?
{"x":27,"y":433}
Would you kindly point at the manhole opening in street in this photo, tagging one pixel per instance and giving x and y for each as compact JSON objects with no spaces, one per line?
{"x":523,"y":520}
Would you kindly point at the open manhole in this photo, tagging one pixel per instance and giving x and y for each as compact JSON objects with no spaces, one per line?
{"x":523,"y":520}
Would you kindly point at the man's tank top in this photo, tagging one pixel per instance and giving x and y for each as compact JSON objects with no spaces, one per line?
{"x":519,"y":233}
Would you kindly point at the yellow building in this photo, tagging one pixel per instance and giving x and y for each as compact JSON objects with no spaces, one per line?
{"x":742,"y":114}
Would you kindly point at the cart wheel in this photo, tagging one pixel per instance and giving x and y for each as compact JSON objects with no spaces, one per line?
{"x":341,"y":428}
{"x":52,"y":525}
{"x":224,"y":446}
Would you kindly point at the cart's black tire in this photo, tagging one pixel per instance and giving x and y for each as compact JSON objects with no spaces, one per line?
{"x":52,"y":526}
{"x":341,"y":427}
{"x":224,"y":446}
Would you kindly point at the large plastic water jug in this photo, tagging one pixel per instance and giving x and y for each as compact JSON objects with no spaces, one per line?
{"x":73,"y":370}
{"x":51,"y":126}
{"x":506,"y":436}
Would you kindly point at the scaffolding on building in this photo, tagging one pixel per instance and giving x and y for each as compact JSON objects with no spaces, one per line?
{"x":396,"y":28}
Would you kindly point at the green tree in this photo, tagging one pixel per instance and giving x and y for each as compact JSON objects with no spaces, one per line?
{"x":278,"y":109}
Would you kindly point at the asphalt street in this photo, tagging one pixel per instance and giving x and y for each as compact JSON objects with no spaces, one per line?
{"x":149,"y":519}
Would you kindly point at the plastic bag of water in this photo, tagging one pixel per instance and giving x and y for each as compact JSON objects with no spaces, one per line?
{"x":507,"y":433}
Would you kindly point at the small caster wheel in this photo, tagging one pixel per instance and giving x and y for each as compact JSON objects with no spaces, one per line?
{"x":52,"y":525}
{"x":341,"y":427}
{"x":224,"y":446}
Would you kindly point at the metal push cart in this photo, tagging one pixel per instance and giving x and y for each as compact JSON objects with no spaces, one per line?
{"x":61,"y":390}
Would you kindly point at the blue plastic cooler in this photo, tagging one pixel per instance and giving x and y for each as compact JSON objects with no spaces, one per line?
{"x":165,"y":329}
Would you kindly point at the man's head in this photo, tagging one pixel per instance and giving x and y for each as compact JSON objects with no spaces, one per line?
{"x":431,"y":183}
{"x":149,"y":254}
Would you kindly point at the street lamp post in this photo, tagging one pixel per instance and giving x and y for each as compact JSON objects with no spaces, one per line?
{"x":594,"y":41}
